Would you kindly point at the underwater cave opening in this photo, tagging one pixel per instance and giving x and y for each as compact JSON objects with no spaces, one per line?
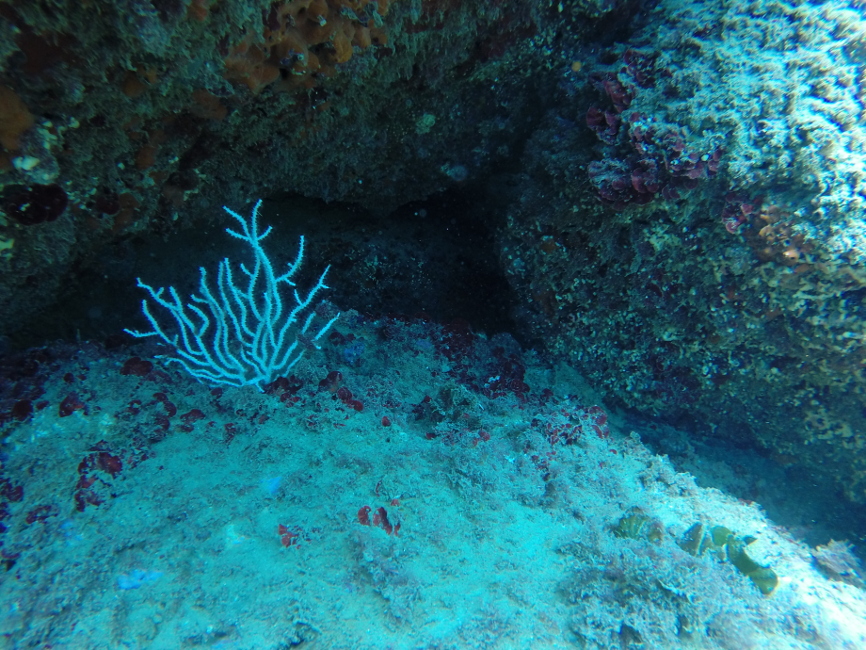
{"x":435,"y":259}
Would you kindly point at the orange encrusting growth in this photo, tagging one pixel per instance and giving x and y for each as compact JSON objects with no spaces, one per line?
{"x":207,"y":105}
{"x":15,"y":119}
{"x":303,"y":38}
{"x":199,"y":10}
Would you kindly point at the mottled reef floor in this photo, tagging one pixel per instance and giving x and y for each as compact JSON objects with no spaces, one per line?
{"x":411,"y":486}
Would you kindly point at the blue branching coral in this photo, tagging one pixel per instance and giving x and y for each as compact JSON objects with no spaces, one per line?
{"x":250,"y":336}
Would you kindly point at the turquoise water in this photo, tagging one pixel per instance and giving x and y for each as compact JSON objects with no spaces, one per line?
{"x":547,"y":333}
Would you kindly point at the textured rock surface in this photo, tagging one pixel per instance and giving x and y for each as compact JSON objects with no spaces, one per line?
{"x":734,"y":293}
{"x":148,"y":114}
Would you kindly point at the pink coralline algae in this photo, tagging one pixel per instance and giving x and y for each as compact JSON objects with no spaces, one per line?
{"x":650,"y":159}
{"x":657,"y":165}
{"x":604,"y":123}
{"x":737,"y":211}
{"x":620,"y":95}
{"x":641,"y":66}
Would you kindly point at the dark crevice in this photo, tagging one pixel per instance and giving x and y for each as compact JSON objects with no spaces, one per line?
{"x":434,"y":258}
